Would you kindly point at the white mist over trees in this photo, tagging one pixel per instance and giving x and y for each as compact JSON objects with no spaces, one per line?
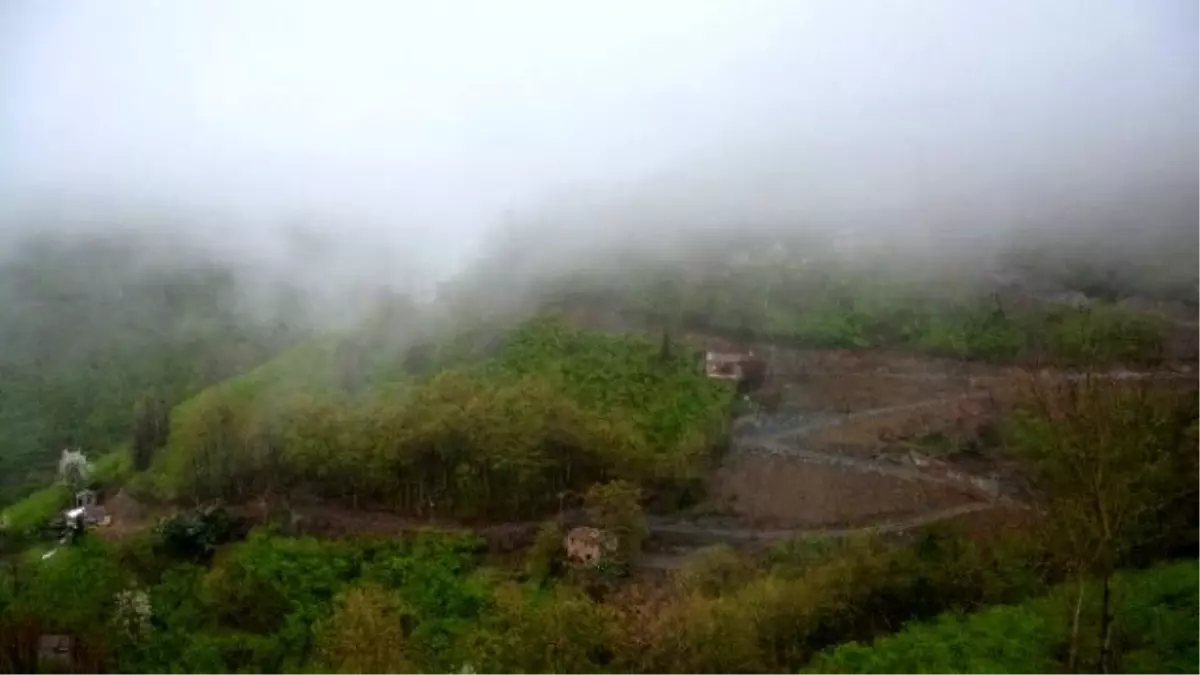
{"x":402,"y":135}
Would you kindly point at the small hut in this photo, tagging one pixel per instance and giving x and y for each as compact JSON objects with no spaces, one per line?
{"x":87,"y":509}
{"x":587,"y":546}
{"x":724,"y":365}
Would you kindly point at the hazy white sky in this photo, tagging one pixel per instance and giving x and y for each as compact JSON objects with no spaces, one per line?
{"x":430,"y":120}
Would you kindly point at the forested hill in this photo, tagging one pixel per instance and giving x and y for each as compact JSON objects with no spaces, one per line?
{"x":88,"y":325}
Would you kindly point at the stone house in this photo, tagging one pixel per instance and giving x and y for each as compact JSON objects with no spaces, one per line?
{"x":587,"y":546}
{"x":87,"y":507}
{"x":724,"y":365}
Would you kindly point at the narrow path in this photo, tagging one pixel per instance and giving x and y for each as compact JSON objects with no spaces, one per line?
{"x":785,"y":442}
{"x":707,"y":536}
{"x":763,"y":435}
{"x":718,"y":534}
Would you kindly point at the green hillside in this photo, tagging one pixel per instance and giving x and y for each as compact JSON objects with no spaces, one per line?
{"x":1156,"y":627}
{"x":90,"y":327}
{"x":498,"y":429}
{"x":784,"y":297}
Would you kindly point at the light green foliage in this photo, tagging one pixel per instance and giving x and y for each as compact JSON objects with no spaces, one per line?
{"x":622,"y":374}
{"x":364,"y":634}
{"x":554,"y":409}
{"x":859,"y":305}
{"x":554,"y":631}
{"x":36,"y":509}
{"x":1157,"y":622}
{"x":112,"y":469}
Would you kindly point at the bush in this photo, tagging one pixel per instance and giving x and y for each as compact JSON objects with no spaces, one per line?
{"x":615,"y":507}
{"x":365,"y":634}
{"x":546,"y":555}
{"x":557,"y":631}
{"x":1157,"y":623}
{"x":195,"y":535}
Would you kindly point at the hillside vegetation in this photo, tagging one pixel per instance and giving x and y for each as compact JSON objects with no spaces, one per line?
{"x":90,"y":327}
{"x":550,"y":409}
{"x":824,"y":303}
{"x":493,"y":421}
{"x":1159,"y":622}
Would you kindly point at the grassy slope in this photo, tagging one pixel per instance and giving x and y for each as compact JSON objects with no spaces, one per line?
{"x":42,"y":505}
{"x":1156,"y":612}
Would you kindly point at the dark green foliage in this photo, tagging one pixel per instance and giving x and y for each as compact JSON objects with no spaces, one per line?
{"x":71,"y":591}
{"x":273,"y":604}
{"x":258,"y":607}
{"x":616,"y":508}
{"x":547,"y":554}
{"x":195,"y":535}
{"x":721,"y":617}
{"x":1116,"y":465}
{"x":151,"y":428}
{"x":1157,"y":621}
{"x":88,"y":327}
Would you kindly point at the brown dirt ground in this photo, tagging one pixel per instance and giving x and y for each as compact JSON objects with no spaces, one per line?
{"x":770,"y":491}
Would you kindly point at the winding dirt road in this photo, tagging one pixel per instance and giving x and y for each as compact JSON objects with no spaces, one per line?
{"x":786,"y":435}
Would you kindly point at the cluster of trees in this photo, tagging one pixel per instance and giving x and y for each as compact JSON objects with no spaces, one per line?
{"x":554,"y":412}
{"x":1114,"y":464}
{"x":1158,"y":634}
{"x":1115,"y":467}
{"x":827,"y":303}
{"x":91,"y":325}
{"x":270,"y":604}
{"x":273,"y":604}
{"x":429,"y":602}
{"x":513,"y":425}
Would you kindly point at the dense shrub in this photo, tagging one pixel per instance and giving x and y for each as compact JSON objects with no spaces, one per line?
{"x":195,"y":535}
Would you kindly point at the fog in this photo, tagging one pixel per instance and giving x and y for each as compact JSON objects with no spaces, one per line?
{"x":355,"y":143}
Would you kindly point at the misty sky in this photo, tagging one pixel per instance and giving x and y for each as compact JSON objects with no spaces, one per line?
{"x":428,"y":123}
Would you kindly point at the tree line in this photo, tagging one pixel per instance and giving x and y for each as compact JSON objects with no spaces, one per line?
{"x":557,"y":411}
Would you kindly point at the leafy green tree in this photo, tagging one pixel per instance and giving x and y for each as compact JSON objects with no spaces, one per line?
{"x":365,"y":634}
{"x":616,"y":508}
{"x":561,"y":631}
{"x":1109,"y":458}
{"x":151,"y":429}
{"x":546,"y":555}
